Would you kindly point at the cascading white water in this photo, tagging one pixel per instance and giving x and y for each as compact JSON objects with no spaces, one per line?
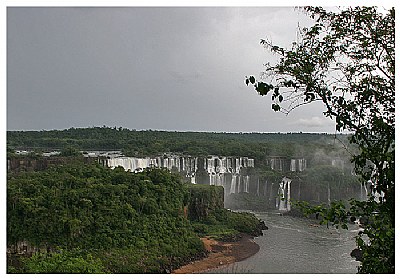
{"x":286,"y":164}
{"x":220,"y":179}
{"x":233,"y":184}
{"x":375,"y":194}
{"x":363,"y":192}
{"x":266,"y":188}
{"x":216,"y":167}
{"x":281,"y":196}
{"x":329,"y":194}
{"x":288,"y":182}
{"x":278,"y":197}
{"x":246,"y":184}
{"x":217,"y":179}
{"x":137,"y":164}
{"x":283,"y":199}
{"x":237,"y":165}
{"x":302,"y":164}
{"x":227,"y":164}
{"x":293,"y":165}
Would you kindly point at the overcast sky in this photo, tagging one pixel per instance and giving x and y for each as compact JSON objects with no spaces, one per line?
{"x":141,"y":68}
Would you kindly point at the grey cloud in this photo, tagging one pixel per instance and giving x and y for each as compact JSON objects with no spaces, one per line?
{"x":312,"y":122}
{"x":142,"y":68}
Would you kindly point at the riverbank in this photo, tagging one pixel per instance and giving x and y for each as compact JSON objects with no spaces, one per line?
{"x":221,"y":253}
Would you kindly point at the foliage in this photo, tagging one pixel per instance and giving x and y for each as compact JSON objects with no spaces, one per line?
{"x":62,"y":262}
{"x":204,"y":199}
{"x":69,"y":151}
{"x":224,"y":224}
{"x":94,"y":219}
{"x":96,"y":209}
{"x":150,"y":143}
{"x":346,"y":60}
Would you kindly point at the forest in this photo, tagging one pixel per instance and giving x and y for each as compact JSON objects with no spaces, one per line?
{"x":78,"y":216}
{"x":86,"y":218}
{"x":148,"y":143}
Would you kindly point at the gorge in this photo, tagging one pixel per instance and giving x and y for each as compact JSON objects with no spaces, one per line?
{"x":287,"y":178}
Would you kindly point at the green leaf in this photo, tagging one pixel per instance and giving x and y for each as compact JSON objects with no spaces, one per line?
{"x":252,"y":79}
{"x":276,"y":107}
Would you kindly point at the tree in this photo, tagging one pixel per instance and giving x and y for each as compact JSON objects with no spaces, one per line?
{"x":347,"y":61}
{"x":69,"y":151}
{"x":63,"y":262}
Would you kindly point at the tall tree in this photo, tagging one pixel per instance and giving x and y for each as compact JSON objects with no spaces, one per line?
{"x":347,"y":61}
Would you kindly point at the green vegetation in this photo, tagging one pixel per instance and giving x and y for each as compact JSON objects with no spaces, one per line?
{"x":210,"y":218}
{"x":150,"y":143}
{"x":204,"y":199}
{"x":347,"y":61}
{"x":226,"y":225}
{"x":63,"y":262}
{"x":85,"y":218}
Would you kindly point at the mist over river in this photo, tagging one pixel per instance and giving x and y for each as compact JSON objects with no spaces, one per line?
{"x":296,"y":245}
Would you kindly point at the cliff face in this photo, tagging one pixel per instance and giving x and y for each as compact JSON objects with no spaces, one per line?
{"x":204,"y":199}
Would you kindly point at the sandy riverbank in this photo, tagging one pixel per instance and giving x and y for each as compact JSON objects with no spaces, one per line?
{"x":222,"y":253}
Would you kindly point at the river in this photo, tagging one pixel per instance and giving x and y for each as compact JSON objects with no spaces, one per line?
{"x":296,"y":245}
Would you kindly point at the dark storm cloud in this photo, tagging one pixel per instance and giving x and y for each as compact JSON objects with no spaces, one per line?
{"x":143,"y":68}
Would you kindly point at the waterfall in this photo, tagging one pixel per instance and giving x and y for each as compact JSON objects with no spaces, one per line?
{"x":251,"y":163}
{"x":329,"y":194}
{"x":288,"y":182}
{"x":293,"y":165}
{"x":299,"y":192}
{"x":278,"y":198}
{"x":222,"y":179}
{"x":281,"y":195}
{"x":265,"y":187}
{"x":217,"y":179}
{"x":258,"y":187}
{"x":284,"y":193}
{"x":363,"y":192}
{"x":246,"y":184}
{"x":215,"y":166}
{"x":302,"y":164}
{"x":233,"y":184}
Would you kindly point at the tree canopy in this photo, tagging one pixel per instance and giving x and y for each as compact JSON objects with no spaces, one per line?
{"x":86,"y":218}
{"x":347,"y":61}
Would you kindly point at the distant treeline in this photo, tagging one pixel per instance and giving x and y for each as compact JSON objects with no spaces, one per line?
{"x":147,"y":143}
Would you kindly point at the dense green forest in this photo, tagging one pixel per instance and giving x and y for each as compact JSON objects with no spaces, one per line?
{"x":81,"y":217}
{"x":146,"y":143}
{"x":85,"y":218}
